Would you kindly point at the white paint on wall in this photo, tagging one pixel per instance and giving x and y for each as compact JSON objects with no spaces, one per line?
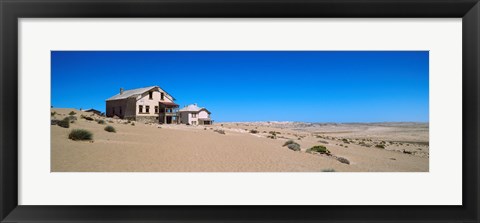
{"x":191,"y":117}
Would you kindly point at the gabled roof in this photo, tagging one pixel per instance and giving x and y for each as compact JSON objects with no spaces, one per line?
{"x":91,"y":110}
{"x":192,"y":108}
{"x":133,"y":93}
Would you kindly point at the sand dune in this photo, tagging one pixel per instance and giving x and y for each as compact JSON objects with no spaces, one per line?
{"x":181,"y":148}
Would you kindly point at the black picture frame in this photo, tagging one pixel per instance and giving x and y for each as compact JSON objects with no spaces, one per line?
{"x":12,"y":10}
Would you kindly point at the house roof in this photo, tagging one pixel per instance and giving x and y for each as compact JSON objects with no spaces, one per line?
{"x":192,"y":108}
{"x":133,"y":93}
{"x":91,"y":110}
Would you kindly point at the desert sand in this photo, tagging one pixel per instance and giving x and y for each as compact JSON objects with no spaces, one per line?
{"x":181,"y":148}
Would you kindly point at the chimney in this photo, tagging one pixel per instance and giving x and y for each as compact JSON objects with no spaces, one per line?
{"x":121,"y":90}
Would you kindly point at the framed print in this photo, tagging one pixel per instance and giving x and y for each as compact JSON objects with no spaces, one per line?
{"x":239,"y":111}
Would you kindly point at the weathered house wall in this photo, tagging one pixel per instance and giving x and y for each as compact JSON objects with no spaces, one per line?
{"x":185,"y":117}
{"x":123,"y":108}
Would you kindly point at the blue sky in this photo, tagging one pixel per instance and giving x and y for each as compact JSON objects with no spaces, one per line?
{"x":309,"y":86}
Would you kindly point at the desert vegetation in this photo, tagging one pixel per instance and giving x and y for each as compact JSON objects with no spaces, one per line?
{"x":221,"y":131}
{"x":65,"y":123}
{"x":80,"y":134}
{"x":110,"y":128}
{"x":292,"y":145}
{"x":87,"y":118}
{"x":319,"y":149}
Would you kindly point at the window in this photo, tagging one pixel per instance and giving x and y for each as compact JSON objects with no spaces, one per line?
{"x":140,"y":108}
{"x":120,"y":110}
{"x":156,"y":109}
{"x":150,"y":95}
{"x":162,"y":95}
{"x":194,"y":115}
{"x":147,"y":109}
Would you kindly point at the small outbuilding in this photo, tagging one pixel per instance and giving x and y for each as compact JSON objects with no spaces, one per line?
{"x":194,"y":115}
{"x":95,"y":111}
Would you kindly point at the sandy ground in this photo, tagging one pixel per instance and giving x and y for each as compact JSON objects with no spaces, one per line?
{"x":181,"y":148}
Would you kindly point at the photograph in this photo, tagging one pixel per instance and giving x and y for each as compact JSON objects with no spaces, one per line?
{"x":239,"y":111}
